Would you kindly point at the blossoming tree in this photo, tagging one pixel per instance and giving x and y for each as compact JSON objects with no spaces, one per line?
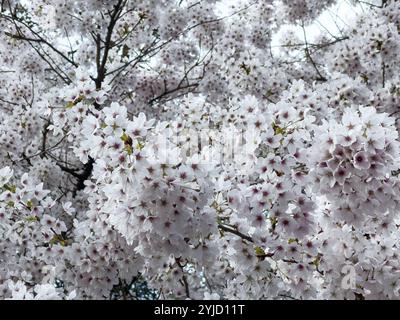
{"x":165,"y":144}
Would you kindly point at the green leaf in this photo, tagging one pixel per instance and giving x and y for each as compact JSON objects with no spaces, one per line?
{"x":69,"y":105}
{"x":10,"y":188}
{"x":128,"y":149}
{"x":245,"y":68}
{"x":57,"y":239}
{"x":278,"y":129}
{"x":259,"y":251}
{"x":274,"y":222}
{"x":140,"y":145}
{"x":30,"y":205}
{"x":124,"y":137}
{"x":316,"y":261}
{"x":32,"y":219}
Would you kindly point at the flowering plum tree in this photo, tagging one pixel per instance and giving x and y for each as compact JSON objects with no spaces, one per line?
{"x":165,"y":144}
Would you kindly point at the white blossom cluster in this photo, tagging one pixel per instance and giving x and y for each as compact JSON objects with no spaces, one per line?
{"x":163,"y":145}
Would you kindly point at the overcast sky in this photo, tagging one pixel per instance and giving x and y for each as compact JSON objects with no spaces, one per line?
{"x":331,"y":20}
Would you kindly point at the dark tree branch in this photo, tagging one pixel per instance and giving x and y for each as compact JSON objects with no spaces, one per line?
{"x":309,"y":57}
{"x":101,"y":66}
{"x":184,"y":279}
{"x":235,"y":232}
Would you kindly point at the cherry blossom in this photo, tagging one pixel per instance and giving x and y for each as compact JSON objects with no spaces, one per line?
{"x":198,"y":150}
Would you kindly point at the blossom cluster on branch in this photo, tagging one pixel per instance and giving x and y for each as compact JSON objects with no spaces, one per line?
{"x":165,"y":144}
